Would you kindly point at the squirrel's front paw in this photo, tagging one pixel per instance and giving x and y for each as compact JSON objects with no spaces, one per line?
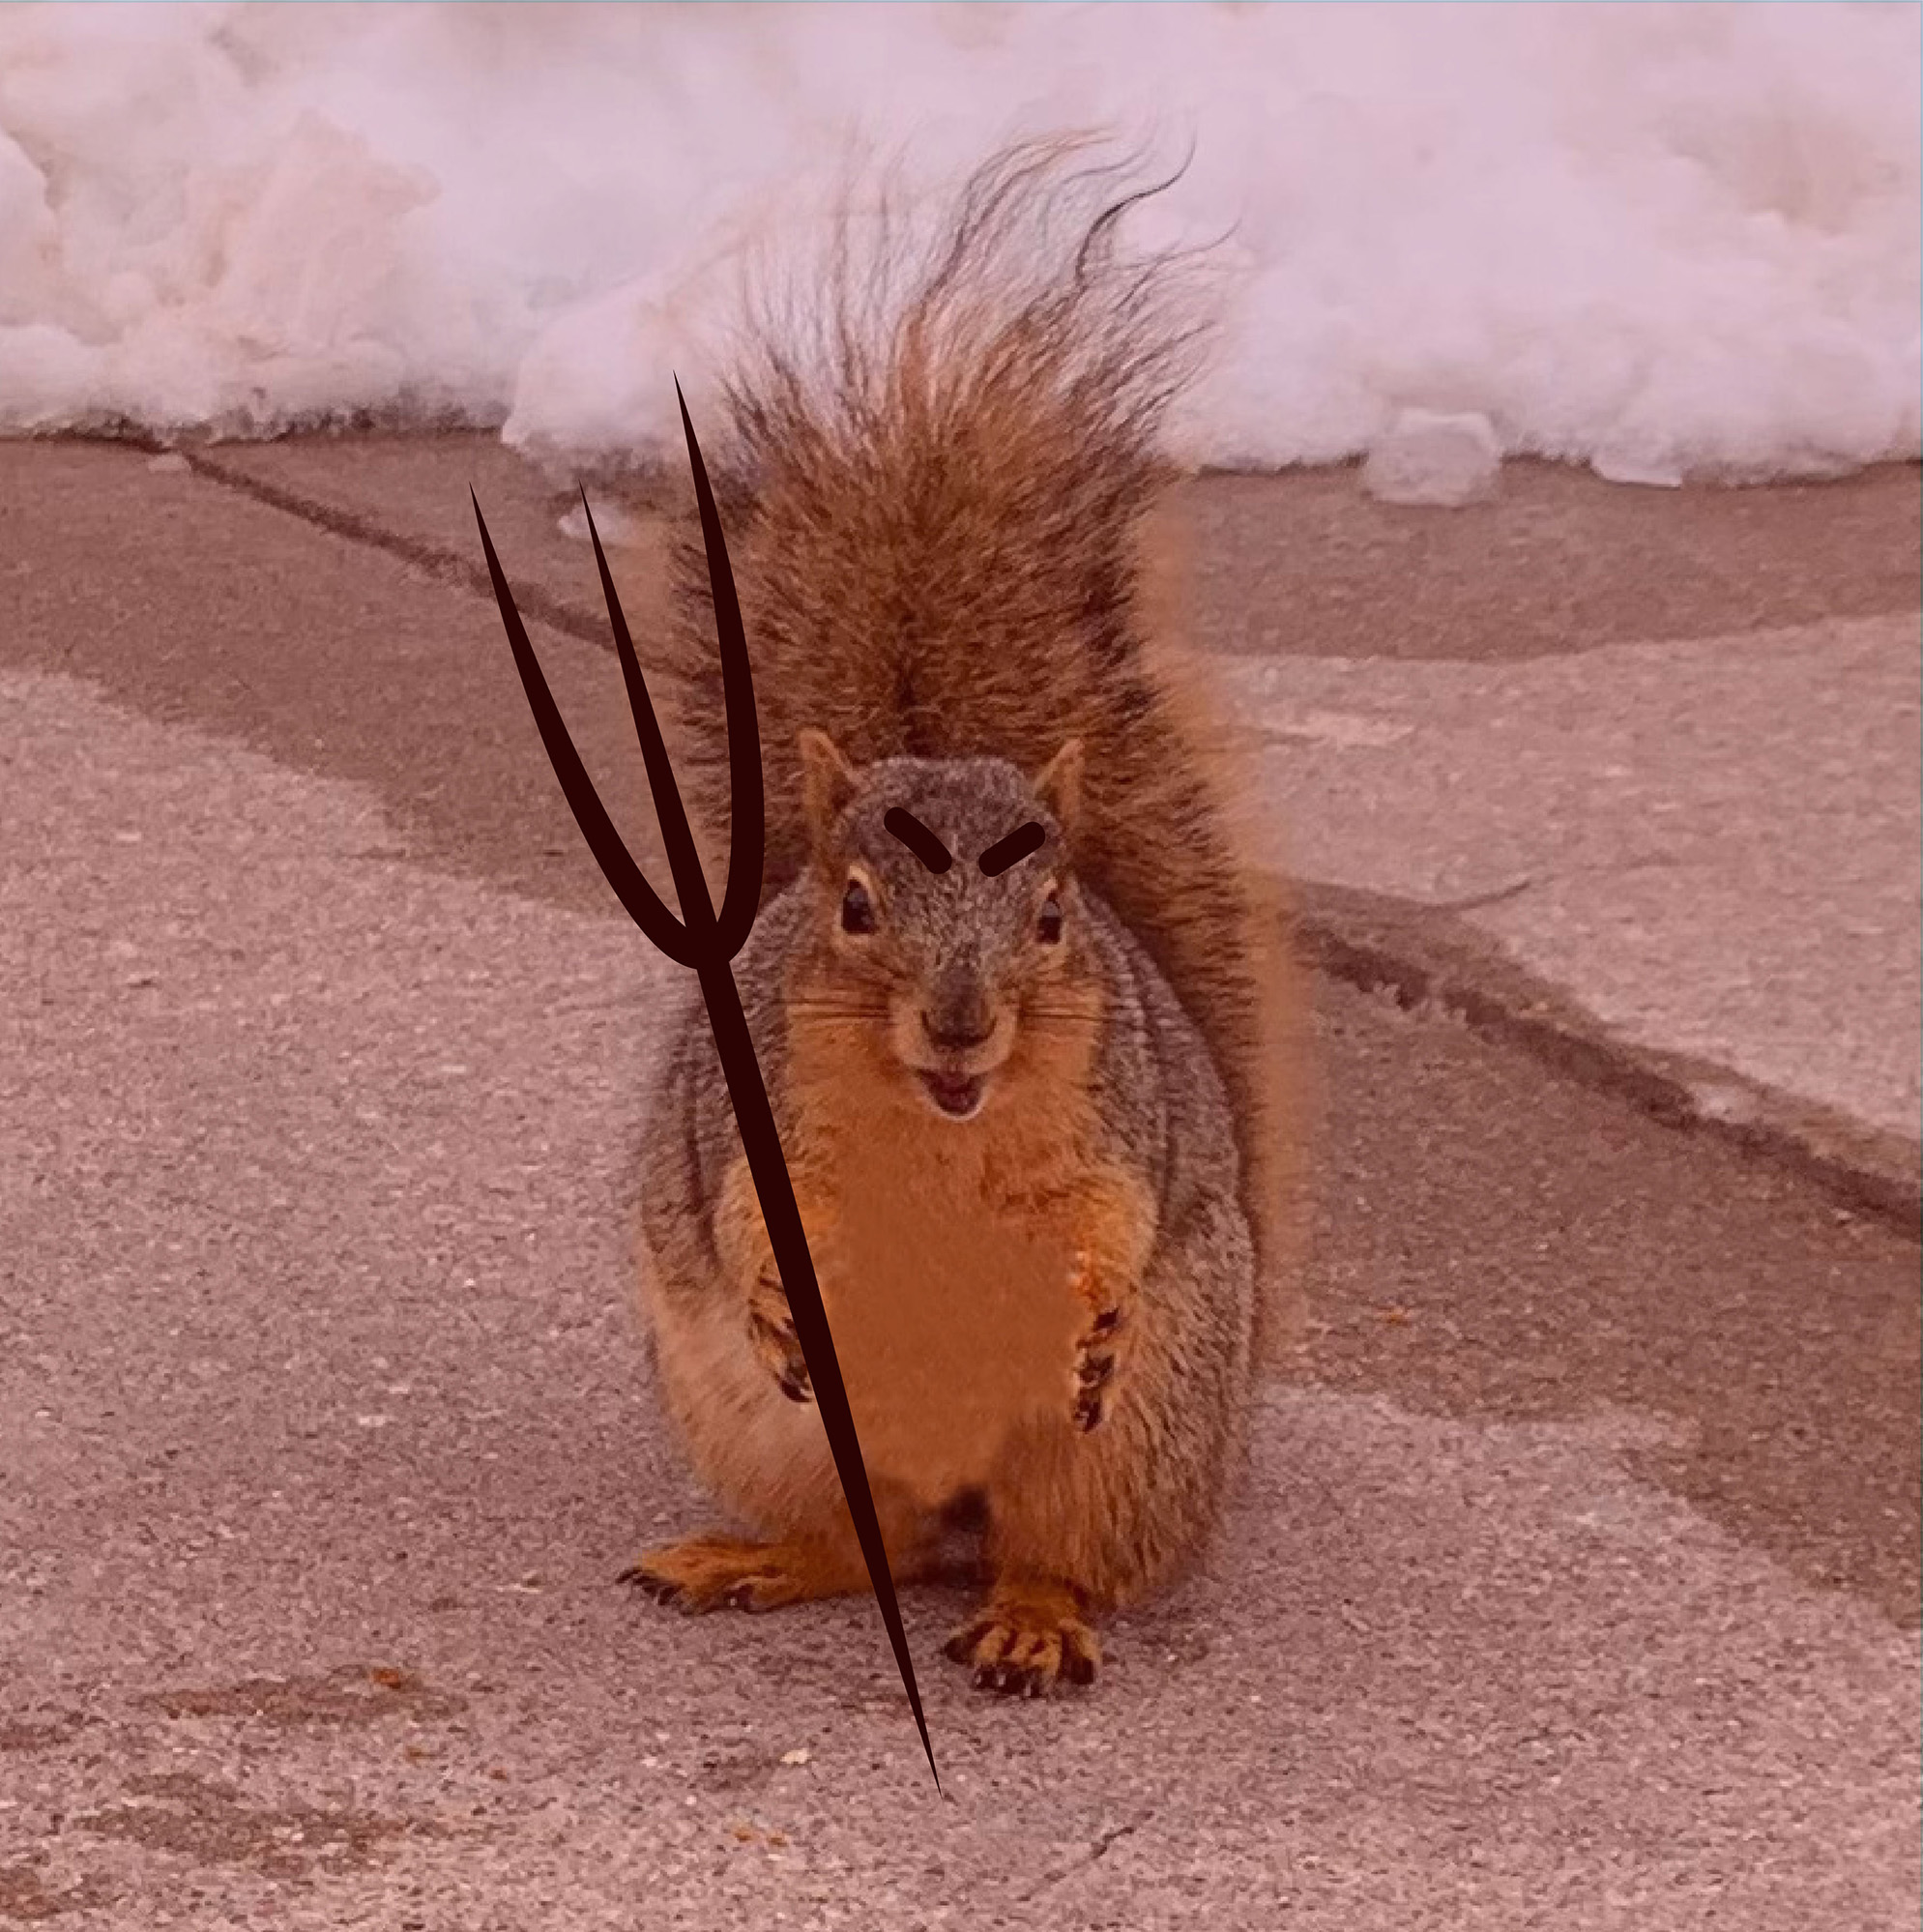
{"x":1094,"y":1368}
{"x":771,"y":1335}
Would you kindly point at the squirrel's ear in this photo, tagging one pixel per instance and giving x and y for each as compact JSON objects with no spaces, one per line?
{"x":827,"y":782}
{"x":1059,"y":784}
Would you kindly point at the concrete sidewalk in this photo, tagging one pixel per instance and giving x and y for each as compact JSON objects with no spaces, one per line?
{"x":1655,"y":754}
{"x":1575,"y":1582}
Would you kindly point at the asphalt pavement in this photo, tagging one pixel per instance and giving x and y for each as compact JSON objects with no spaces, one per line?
{"x":1575,"y":1579}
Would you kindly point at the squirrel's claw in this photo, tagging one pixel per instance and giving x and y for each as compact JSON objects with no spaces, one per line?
{"x":1095,"y":1369}
{"x":780,"y":1350}
{"x":663,"y":1590}
{"x":1011,"y":1680}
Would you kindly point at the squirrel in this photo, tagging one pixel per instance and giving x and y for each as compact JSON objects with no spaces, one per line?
{"x":1021,"y":1006}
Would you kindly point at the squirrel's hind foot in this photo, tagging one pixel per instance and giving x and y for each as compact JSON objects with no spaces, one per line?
{"x":1026,"y":1640}
{"x":731,"y":1573}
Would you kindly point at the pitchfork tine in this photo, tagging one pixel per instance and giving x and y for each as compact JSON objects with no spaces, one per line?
{"x":707,"y":946}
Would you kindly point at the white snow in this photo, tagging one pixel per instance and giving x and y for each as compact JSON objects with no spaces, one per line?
{"x":1427,"y":457}
{"x":1666,"y":239}
{"x":614,"y":524}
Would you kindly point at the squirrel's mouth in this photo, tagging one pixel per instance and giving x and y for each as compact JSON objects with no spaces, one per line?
{"x":958,"y":1096}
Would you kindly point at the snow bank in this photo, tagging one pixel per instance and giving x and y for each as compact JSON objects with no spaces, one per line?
{"x":1664,"y":239}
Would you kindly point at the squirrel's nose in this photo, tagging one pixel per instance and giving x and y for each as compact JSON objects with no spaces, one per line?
{"x":959,"y":1015}
{"x":957,"y":1012}
{"x":955,"y":1032}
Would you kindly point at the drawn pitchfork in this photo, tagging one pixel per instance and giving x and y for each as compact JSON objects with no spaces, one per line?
{"x":708,"y":944}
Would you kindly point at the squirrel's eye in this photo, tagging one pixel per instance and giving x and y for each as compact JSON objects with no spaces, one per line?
{"x":1048,"y":921}
{"x":858,"y":909}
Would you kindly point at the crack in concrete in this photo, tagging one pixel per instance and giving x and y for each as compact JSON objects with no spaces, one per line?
{"x":1096,"y":1853}
{"x":1864,"y":1173}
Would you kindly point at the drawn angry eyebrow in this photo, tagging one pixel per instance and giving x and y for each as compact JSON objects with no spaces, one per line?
{"x":918,"y":840}
{"x":1010,"y":851}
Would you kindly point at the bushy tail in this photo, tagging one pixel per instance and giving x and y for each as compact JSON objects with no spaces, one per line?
{"x":935,"y":480}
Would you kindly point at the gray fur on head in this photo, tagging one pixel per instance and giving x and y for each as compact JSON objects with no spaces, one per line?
{"x":966,"y":942}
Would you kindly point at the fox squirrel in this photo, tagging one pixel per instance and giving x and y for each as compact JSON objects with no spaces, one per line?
{"x":1019,"y":1005}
